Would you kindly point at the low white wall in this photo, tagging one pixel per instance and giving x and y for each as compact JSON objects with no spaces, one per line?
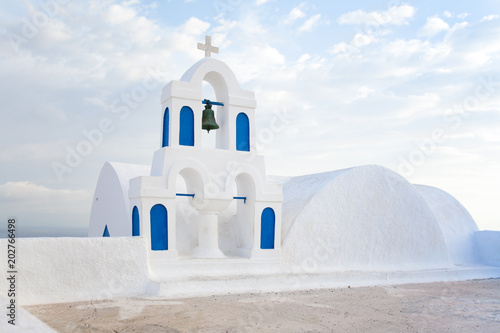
{"x":488,"y":244}
{"x":52,"y":270}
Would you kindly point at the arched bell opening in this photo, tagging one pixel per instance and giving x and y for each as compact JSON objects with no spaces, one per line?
{"x":209,"y":139}
{"x":215,"y":85}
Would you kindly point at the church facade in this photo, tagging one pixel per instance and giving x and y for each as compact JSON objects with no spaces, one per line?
{"x":191,"y":184}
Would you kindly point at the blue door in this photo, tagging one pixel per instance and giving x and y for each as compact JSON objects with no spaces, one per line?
{"x":165,"y":128}
{"x":186,"y":131}
{"x":159,"y":228}
{"x":242,"y":132}
{"x":267,"y":225}
{"x":135,"y":222}
{"x":106,"y":232}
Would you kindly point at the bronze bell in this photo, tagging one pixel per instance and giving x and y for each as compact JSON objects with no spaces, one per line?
{"x":208,"y":118}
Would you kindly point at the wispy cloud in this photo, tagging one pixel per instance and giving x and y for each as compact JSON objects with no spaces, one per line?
{"x":311,"y":23}
{"x":295,"y":14}
{"x":397,"y":15}
{"x":490,"y":18}
{"x":261,"y":2}
{"x":30,"y":193}
{"x":432,"y":27}
{"x":365,"y":101}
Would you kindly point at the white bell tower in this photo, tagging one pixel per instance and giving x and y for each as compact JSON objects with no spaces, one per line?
{"x":214,"y":177}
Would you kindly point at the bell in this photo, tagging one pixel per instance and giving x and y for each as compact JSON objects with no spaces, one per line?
{"x":208,"y":119}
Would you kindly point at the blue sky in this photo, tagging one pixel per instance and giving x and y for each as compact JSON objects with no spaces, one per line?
{"x":413,"y":86}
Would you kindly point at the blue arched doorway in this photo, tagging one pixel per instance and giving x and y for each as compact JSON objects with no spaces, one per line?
{"x":186,"y":130}
{"x":135,"y":222}
{"x":159,"y":228}
{"x":267,"y":226}
{"x":165,"y":128}
{"x":242,"y":132}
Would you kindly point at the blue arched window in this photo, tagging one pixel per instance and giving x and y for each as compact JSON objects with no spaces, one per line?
{"x":135,"y":222}
{"x":165,"y":128}
{"x":106,"y":232}
{"x":242,"y":132}
{"x":267,"y":226}
{"x":159,"y":228}
{"x":186,"y":130}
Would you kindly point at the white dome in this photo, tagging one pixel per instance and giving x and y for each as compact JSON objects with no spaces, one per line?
{"x":360,"y":218}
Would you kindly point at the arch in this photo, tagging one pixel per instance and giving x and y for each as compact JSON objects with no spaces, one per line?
{"x":209,"y":140}
{"x":251,"y":171}
{"x":106,"y":231}
{"x":186,"y":128}
{"x":218,"y":82}
{"x":242,"y":132}
{"x":267,"y":225}
{"x":166,"y":120}
{"x":159,"y":228}
{"x":192,"y":171}
{"x":245,"y":210}
{"x":135,"y":222}
{"x":217,"y":73}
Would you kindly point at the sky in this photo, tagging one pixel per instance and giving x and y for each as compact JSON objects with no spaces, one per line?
{"x":413,"y":86}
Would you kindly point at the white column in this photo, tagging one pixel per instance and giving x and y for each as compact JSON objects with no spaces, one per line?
{"x":208,"y":237}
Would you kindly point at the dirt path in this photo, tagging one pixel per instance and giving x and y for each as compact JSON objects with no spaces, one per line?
{"x":469,"y":306}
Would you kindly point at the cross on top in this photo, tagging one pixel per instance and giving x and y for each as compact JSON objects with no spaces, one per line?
{"x":207,"y":47}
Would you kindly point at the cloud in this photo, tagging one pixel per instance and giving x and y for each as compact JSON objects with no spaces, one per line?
{"x":295,"y":14}
{"x":489,"y":18}
{"x":29,"y":193}
{"x":264,"y":59}
{"x":310,"y":23}
{"x":119,"y":14}
{"x":261,"y":2}
{"x":432,"y":27}
{"x":447,"y":14}
{"x":40,"y":207}
{"x":398,"y":15}
{"x":361,"y":103}
{"x":362,"y":93}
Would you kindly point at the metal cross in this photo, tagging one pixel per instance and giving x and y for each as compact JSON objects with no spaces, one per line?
{"x":207,"y":47}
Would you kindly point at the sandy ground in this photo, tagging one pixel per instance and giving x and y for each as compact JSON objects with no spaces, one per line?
{"x":468,"y":306}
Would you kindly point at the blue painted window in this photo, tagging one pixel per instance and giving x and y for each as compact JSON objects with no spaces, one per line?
{"x":267,"y":229}
{"x":159,"y":228}
{"x":135,"y":222}
{"x":165,"y":128}
{"x":186,"y":131}
{"x":106,"y":232}
{"x":242,"y":132}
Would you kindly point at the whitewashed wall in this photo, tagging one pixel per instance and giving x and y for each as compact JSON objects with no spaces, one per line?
{"x":52,"y":270}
